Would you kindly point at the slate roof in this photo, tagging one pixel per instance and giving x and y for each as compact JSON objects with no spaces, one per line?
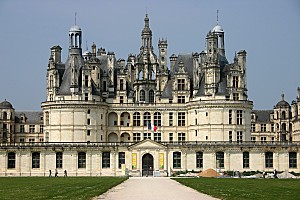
{"x":167,"y":92}
{"x":262,"y":115}
{"x":188,"y":63}
{"x":32,"y":117}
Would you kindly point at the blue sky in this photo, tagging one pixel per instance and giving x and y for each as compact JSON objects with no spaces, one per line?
{"x":268,"y":30}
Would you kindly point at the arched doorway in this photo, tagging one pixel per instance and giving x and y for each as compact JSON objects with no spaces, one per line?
{"x":147,"y":165}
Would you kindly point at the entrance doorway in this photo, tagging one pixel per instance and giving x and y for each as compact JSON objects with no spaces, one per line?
{"x":147,"y":165}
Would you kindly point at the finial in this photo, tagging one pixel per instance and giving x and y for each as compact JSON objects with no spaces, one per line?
{"x":217,"y":16}
{"x":87,"y":48}
{"x":282,"y":96}
{"x":75,"y":18}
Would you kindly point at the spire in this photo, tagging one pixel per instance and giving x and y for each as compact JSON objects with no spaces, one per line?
{"x":75,"y":18}
{"x":217,"y":16}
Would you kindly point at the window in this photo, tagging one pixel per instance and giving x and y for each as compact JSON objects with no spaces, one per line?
{"x":199,"y":159}
{"x":51,"y":81}
{"x":136,"y":137}
{"x":86,"y":81}
{"x":176,"y":160}
{"x":235,"y":82}
{"x":47,"y":118}
{"x":86,"y":96}
{"x":22,"y":139}
{"x":269,"y":159}
{"x":121,"y":84}
{"x":239,"y":136}
{"x":252,"y":128}
{"x":142,"y":95}
{"x":147,"y":136}
{"x":263,"y":139}
{"x":31,"y":128}
{"x":88,"y":122}
{"x":106,"y":160}
{"x":181,"y":99}
{"x":230,"y":117}
{"x":22,"y":128}
{"x":41,"y":128}
{"x":170,"y":137}
{"x":136,"y":119}
{"x":11,"y":160}
{"x":59,"y":159}
{"x":121,"y":99}
{"x":239,"y":117}
{"x":121,"y":159}
{"x":263,"y":127}
{"x":220,"y":159}
{"x":88,"y":111}
{"x":157,"y":137}
{"x":88,"y":133}
{"x":272,"y":127}
{"x":151,"y":96}
{"x":292,"y":159}
{"x":235,"y":96}
{"x":147,"y":118}
{"x":181,"y":119}
{"x":157,"y":119}
{"x":253,"y":139}
{"x":170,"y":119}
{"x":230,"y":136}
{"x":245,"y":159}
{"x":181,"y":84}
{"x":31,"y":139}
{"x":35,"y":160}
{"x":81,"y":160}
{"x":181,"y":137}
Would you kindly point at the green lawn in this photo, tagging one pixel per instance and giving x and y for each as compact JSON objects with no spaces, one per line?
{"x":235,"y":188}
{"x":55,"y":188}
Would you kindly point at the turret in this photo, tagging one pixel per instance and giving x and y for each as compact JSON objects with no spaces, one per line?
{"x":56,"y":54}
{"x":162,"y":46}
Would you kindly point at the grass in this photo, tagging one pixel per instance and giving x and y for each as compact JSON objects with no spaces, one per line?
{"x":236,"y":189}
{"x":55,"y":188}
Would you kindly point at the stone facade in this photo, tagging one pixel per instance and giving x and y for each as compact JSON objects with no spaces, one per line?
{"x":105,"y":116}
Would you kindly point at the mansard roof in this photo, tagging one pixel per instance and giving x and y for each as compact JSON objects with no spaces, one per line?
{"x":33,"y":117}
{"x":262,"y":115}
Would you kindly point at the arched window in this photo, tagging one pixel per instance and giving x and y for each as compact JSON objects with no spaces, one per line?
{"x":157,"y":119}
{"x":283,"y":126}
{"x":142,"y":95}
{"x":147,"y":118}
{"x":136,"y":119}
{"x":151,"y":96}
{"x":81,"y":160}
{"x":4,"y":116}
{"x":283,"y":115}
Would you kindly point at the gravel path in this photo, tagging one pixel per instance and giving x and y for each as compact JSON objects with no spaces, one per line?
{"x":152,"y":188}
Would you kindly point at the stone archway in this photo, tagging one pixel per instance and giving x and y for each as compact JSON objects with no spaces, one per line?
{"x":147,"y":165}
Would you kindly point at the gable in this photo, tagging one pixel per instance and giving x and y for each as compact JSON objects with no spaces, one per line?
{"x":148,"y":144}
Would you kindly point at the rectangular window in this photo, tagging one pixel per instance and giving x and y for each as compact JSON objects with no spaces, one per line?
{"x":31,"y":128}
{"x":86,"y":81}
{"x":239,"y":136}
{"x":230,"y":136}
{"x":170,"y":119}
{"x":253,"y":139}
{"x":136,"y":137}
{"x":239,"y":117}
{"x":59,"y":159}
{"x":170,"y":137}
{"x":181,"y":99}
{"x":263,"y":139}
{"x":263,"y":127}
{"x":269,"y":159}
{"x":35,"y":160}
{"x":199,"y":159}
{"x":11,"y":162}
{"x":235,"y":96}
{"x":121,"y":84}
{"x":86,"y":96}
{"x":181,"y":118}
{"x":22,"y":128}
{"x":88,"y":133}
{"x":292,"y":159}
{"x":181,"y":137}
{"x":181,"y":84}
{"x":41,"y":128}
{"x":121,"y":159}
{"x":157,"y":137}
{"x":147,"y":136}
{"x":22,"y":139}
{"x":136,"y":119}
{"x":235,"y":82}
{"x":252,"y":128}
{"x":272,"y":127}
{"x":230,"y":117}
{"x":88,"y":121}
{"x":106,"y":160}
{"x":220,"y":159}
{"x":121,"y":99}
{"x":245,"y":159}
{"x":81,"y":160}
{"x":31,"y":140}
{"x":176,"y":160}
